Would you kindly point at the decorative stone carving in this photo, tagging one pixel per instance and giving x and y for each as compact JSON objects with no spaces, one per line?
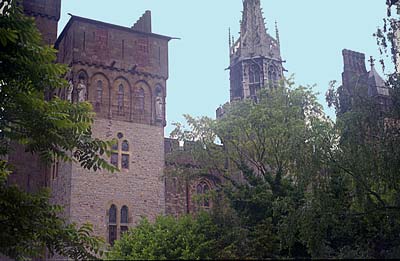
{"x":159,"y":108}
{"x":69,"y":91}
{"x":82,"y":91}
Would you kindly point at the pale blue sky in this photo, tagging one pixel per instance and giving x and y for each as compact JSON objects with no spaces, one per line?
{"x":312,"y":32}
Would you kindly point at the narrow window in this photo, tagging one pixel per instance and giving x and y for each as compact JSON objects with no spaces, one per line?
{"x":125,"y":161}
{"x":139,"y":100}
{"x":114,"y":159}
{"x":115,"y":146}
{"x":124,"y":219}
{"x":120,"y":99}
{"x":124,"y":215}
{"x":199,"y":189}
{"x":202,"y":190}
{"x":99,"y":92}
{"x":272,"y":77}
{"x":112,"y":224}
{"x":254,"y":79}
{"x":57,"y":165}
{"x":205,"y":192}
{"x":125,"y":145}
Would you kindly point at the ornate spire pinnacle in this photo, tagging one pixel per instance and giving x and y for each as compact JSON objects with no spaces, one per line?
{"x":254,"y":39}
{"x":277,"y":34}
{"x":252,"y":26}
{"x":230,"y":39}
{"x":371,"y":61}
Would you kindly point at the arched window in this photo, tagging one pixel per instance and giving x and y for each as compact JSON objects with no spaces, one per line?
{"x":254,"y":74}
{"x":139,"y":100}
{"x":99,"y":97}
{"x":254,"y":79}
{"x":124,"y":219}
{"x":114,"y":154}
{"x":120,"y":150}
{"x":202,"y":190}
{"x":125,"y":155}
{"x":112,"y":224}
{"x":115,"y":146}
{"x":120,"y":99}
{"x":199,"y":189}
{"x":272,"y":77}
{"x":205,"y":192}
{"x":125,"y":145}
{"x":124,"y":215}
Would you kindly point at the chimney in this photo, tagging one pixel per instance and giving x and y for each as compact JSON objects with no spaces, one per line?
{"x":354,"y":62}
{"x":144,"y":23}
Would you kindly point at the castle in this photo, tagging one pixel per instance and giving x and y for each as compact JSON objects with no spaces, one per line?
{"x":123,"y":73}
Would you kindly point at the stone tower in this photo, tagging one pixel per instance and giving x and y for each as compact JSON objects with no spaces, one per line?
{"x":358,"y":83}
{"x":46,"y":14}
{"x":123,"y":73}
{"x":255,"y":59}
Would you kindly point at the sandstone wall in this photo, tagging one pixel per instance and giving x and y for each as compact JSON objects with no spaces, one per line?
{"x":141,"y":188}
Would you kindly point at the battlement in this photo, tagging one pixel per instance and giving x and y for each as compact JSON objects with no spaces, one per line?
{"x":354,"y":61}
{"x":144,"y":23}
{"x":173,"y":145}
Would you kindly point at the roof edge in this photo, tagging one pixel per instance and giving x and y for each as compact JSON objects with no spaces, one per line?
{"x":119,"y":27}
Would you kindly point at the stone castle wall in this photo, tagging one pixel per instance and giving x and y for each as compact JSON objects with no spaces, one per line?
{"x":90,"y":194}
{"x":141,"y":188}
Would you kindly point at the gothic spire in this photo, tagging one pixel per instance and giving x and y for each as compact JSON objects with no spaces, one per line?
{"x":254,"y":40}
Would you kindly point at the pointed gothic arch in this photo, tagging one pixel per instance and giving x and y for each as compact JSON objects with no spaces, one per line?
{"x":273,"y":76}
{"x":120,"y":98}
{"x":141,"y":102}
{"x":99,"y":93}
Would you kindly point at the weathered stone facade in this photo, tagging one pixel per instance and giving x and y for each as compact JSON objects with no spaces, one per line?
{"x":187,"y":184}
{"x":122,"y":72}
{"x":47,"y":15}
{"x":87,"y":195}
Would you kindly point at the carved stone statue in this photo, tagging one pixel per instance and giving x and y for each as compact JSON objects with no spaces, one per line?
{"x":81,"y":88}
{"x":69,"y":91}
{"x":159,"y":108}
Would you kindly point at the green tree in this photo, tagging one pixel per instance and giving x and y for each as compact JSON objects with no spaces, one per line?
{"x":275,"y":150}
{"x":29,"y":225}
{"x":169,"y":239}
{"x":366,"y":165}
{"x":51,"y":128}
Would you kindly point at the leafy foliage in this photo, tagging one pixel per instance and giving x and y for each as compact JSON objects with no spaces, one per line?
{"x":52,"y":128}
{"x":168,"y":239}
{"x":44,"y":125}
{"x":29,"y":224}
{"x":299,"y":185}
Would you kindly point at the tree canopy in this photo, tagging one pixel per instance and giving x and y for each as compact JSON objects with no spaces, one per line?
{"x":47,"y":126}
